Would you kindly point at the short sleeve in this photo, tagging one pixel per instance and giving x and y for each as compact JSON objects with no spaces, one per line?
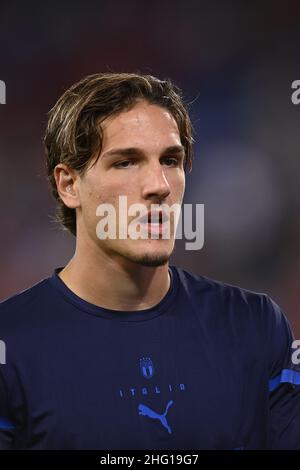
{"x":7,"y":428}
{"x":284,"y":382}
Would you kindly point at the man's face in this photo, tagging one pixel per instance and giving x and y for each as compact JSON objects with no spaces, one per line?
{"x":141,"y":158}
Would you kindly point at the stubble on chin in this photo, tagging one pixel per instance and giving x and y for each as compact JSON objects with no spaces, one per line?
{"x":150,"y":260}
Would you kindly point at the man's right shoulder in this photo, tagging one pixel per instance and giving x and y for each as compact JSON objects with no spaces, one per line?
{"x":14,"y":307}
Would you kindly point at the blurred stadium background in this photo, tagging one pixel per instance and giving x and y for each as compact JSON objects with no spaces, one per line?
{"x":235,"y":62}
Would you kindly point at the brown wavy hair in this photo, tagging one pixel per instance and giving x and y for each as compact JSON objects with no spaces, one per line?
{"x":74,"y":133}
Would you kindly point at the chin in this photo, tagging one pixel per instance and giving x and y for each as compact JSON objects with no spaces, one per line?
{"x":153,"y":260}
{"x":149,"y":259}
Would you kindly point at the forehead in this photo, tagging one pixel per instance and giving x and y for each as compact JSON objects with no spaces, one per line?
{"x":143,"y":122}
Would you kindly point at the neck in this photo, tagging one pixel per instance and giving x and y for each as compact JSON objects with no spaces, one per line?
{"x":114,"y":282}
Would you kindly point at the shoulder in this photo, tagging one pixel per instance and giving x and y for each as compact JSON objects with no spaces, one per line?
{"x":229,"y":298}
{"x":251,"y":318}
{"x":22,"y":306}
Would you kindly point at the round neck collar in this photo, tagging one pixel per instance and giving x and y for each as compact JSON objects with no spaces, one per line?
{"x":121,"y":315}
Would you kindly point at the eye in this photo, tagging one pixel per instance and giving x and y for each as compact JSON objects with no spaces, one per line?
{"x":171,"y":161}
{"x":123,"y":164}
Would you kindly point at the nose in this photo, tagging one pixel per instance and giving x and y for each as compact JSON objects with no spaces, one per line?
{"x":155,"y":184}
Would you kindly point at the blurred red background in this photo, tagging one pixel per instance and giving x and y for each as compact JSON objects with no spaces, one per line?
{"x":235,"y":62}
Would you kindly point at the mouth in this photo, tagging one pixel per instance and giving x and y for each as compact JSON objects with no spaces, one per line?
{"x":154,"y":217}
{"x":154,"y":222}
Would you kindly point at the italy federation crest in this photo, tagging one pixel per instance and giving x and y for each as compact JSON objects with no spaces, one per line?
{"x":147,"y":368}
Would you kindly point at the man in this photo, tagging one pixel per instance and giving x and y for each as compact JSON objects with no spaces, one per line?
{"x":119,"y":350}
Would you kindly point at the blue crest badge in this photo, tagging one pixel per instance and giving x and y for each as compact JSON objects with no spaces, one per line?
{"x":147,"y":368}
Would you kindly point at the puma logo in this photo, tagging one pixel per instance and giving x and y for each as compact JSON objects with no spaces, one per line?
{"x":146,"y":411}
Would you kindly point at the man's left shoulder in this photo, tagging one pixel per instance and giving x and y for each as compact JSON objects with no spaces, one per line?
{"x":229,"y":297}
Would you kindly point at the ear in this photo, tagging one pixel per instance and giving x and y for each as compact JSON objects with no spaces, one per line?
{"x":67,"y":185}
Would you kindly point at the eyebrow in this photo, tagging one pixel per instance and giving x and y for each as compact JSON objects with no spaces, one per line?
{"x":133,"y":151}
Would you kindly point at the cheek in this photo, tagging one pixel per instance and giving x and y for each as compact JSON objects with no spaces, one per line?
{"x":94,"y":192}
{"x":111,"y":192}
{"x":179,"y":185}
{"x":183,"y":185}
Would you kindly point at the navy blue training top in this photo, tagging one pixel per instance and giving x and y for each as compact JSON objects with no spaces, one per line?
{"x":209,"y":367}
